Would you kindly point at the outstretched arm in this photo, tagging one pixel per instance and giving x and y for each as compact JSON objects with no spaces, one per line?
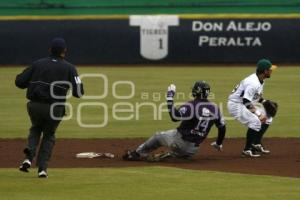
{"x":221,"y":135}
{"x":220,"y":123}
{"x":173,"y":112}
{"x":218,"y":144}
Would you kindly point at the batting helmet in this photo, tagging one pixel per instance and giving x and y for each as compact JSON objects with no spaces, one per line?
{"x":201,"y":89}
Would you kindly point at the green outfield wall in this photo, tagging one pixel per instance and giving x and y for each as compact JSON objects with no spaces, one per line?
{"x":79,"y":7}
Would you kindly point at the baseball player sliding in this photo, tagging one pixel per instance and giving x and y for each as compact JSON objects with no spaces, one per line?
{"x":244,"y":104}
{"x":196,"y":116}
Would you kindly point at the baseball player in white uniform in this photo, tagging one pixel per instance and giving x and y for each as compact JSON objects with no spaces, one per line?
{"x":244,"y":104}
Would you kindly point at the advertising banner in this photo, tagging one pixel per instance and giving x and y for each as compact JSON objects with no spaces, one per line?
{"x":153,"y":39}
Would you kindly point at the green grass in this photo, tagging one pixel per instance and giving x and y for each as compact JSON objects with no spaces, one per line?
{"x":148,"y":182}
{"x":144,"y":183}
{"x":282,"y":87}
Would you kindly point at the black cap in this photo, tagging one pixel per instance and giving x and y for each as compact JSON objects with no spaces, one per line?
{"x":58,"y":43}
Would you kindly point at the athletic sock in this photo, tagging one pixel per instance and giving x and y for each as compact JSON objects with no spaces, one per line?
{"x":251,"y":134}
{"x":259,"y":136}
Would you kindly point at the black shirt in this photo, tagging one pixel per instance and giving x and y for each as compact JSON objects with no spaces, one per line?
{"x":197,"y":117}
{"x":48,"y":80}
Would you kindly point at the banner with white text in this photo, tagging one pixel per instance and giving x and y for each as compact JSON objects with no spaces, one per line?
{"x":154,"y":39}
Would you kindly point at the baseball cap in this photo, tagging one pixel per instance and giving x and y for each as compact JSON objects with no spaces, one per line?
{"x":58,"y":43}
{"x":264,"y":64}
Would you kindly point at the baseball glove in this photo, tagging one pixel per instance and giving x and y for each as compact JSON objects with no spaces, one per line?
{"x":271,"y":107}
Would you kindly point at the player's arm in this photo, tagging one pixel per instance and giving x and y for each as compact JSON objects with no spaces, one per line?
{"x":247,"y":97}
{"x":261,"y":100}
{"x":255,"y":111}
{"x":248,"y":104}
{"x":252,"y":108}
{"x":23,"y":79}
{"x":180,"y":114}
{"x":183,"y":113}
{"x":77,"y":86}
{"x":173,"y":112}
{"x":220,"y":124}
{"x":221,"y":134}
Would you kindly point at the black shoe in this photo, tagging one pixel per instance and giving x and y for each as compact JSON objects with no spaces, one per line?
{"x":160,"y":157}
{"x":25,"y":165}
{"x":42,"y":174}
{"x":250,"y":154}
{"x":131,"y":156}
{"x":260,"y":148}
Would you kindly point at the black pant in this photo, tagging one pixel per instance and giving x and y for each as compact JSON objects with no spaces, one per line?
{"x":42,"y":122}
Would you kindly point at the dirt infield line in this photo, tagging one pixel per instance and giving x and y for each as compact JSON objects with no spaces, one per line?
{"x":284,"y":159}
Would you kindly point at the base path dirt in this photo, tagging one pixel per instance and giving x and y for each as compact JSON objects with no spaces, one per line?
{"x":284,"y":159}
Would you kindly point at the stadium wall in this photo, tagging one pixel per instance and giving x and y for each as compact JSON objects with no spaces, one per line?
{"x":153,"y":39}
{"x":109,"y":7}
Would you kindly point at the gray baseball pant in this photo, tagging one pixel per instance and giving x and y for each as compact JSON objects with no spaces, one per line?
{"x":173,"y":140}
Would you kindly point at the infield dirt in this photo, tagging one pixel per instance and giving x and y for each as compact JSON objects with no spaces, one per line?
{"x":284,"y":159}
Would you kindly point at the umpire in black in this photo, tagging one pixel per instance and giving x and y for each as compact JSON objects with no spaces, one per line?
{"x":47,"y":81}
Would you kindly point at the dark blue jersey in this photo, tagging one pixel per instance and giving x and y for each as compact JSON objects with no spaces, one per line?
{"x":197,"y":117}
{"x":48,"y":80}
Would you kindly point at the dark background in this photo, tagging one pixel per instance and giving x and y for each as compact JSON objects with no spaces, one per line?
{"x":113,"y":41}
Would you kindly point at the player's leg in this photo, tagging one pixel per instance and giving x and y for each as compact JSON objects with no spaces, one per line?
{"x":179,"y":148}
{"x":257,"y":143}
{"x":250,"y":137}
{"x":254,"y":126}
{"x":34,"y":135}
{"x":164,"y":138}
{"x":243,"y":115}
{"x":30,"y":151}
{"x":33,"y":141}
{"x":45,"y":151}
{"x":48,"y":140}
{"x":182,"y":148}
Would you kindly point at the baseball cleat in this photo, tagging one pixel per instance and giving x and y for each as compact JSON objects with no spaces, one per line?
{"x":42,"y":174}
{"x":160,"y":157}
{"x":260,"y":148}
{"x":250,"y":154}
{"x":25,"y":165}
{"x":131,"y":156}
